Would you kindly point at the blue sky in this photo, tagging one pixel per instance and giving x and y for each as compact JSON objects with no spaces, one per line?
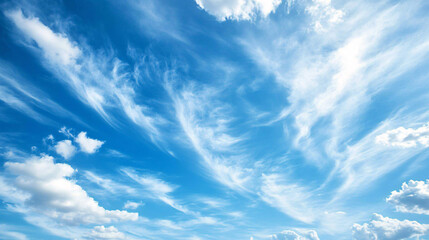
{"x":208,"y":119}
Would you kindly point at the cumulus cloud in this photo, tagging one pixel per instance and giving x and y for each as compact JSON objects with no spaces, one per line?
{"x":405,"y":137}
{"x":65,"y":148}
{"x":298,"y":234}
{"x":384,"y":228}
{"x":412,"y":198}
{"x":101,"y":232}
{"x":238,"y":9}
{"x":88,"y":145}
{"x":56,"y":46}
{"x":49,"y":192}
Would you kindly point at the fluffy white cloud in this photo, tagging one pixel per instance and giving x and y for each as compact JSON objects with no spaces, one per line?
{"x":65,"y":148}
{"x":405,"y":137}
{"x":299,"y":234}
{"x":56,"y":46}
{"x":88,"y":145}
{"x":238,"y":9}
{"x":384,"y":228}
{"x":101,"y":232}
{"x":49,"y":192}
{"x":412,"y":198}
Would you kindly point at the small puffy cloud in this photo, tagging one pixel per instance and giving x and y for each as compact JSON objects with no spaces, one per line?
{"x":65,"y":148}
{"x":298,"y":234}
{"x":238,"y":9}
{"x":412,"y":198}
{"x":132,"y":205}
{"x":57,"y":47}
{"x":101,"y":232}
{"x":44,"y":187}
{"x":88,"y":145}
{"x":384,"y":228}
{"x":405,"y":137}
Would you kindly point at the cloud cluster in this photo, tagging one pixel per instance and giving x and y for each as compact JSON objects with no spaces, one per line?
{"x":323,"y":14}
{"x":238,"y":9}
{"x":101,"y":232}
{"x":298,"y":234}
{"x":384,"y":228}
{"x":413,"y":197}
{"x":66,"y":149}
{"x":405,"y":137}
{"x":49,"y":191}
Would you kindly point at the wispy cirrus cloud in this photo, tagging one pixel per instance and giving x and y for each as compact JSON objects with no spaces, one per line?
{"x":290,"y":198}
{"x":205,"y":124}
{"x":330,"y":91}
{"x":98,"y":80}
{"x":157,"y":189}
{"x":22,"y":96}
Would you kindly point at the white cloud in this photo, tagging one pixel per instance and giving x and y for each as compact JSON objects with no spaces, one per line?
{"x":298,"y":234}
{"x":412,"y":198}
{"x":132,"y":205}
{"x":101,"y":232}
{"x":405,"y":137}
{"x":50,"y":193}
{"x":239,"y":9}
{"x":108,"y":184}
{"x":88,"y":145}
{"x":8,"y":232}
{"x":98,"y":79}
{"x":324,"y":14}
{"x":289,"y":198}
{"x":384,"y":228}
{"x":157,"y":189}
{"x":331,"y":83}
{"x":206,"y":125}
{"x":65,"y":148}
{"x":66,"y":131}
{"x":56,"y":46}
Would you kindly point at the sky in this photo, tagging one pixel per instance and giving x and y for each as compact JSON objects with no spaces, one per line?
{"x":214,"y":119}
